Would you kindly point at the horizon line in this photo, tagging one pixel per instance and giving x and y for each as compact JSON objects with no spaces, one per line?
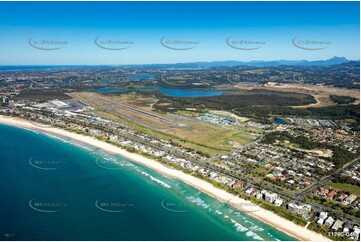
{"x":181,"y":62}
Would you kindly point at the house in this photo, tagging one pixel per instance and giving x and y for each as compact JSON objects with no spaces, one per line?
{"x":356,"y":233}
{"x":351,"y":198}
{"x":292,"y":207}
{"x":299,"y":209}
{"x":238,"y":184}
{"x":332,"y":193}
{"x":258,"y":195}
{"x":250,"y":190}
{"x":306,"y":208}
{"x":343,"y":197}
{"x":323,"y":215}
{"x":278,"y":202}
{"x":329,"y":221}
{"x":347,"y":226}
{"x":270,"y":197}
{"x":337,"y":225}
{"x":255,"y":192}
{"x":320,"y":221}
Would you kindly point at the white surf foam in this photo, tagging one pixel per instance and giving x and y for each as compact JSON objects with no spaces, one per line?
{"x":239,"y":227}
{"x":162,"y":183}
{"x":198,"y":201}
{"x":254,"y":235}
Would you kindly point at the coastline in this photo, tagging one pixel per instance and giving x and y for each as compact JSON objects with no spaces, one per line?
{"x":240,"y":204}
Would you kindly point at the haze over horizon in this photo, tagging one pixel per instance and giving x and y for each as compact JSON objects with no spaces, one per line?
{"x":257,"y":63}
{"x":147,"y":31}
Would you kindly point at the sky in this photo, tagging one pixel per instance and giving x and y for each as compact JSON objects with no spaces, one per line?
{"x":112,"y":33}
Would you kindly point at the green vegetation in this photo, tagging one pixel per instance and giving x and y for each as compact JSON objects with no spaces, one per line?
{"x":261,"y":105}
{"x":192,"y":113}
{"x":325,"y":231}
{"x":346,"y":187}
{"x":342,"y":99}
{"x":220,"y":139}
{"x":346,"y":180}
{"x":41,"y":95}
{"x":234,"y":100}
{"x":328,"y":112}
{"x":210,"y":143}
{"x":337,"y":207}
{"x":200,"y":145}
{"x":340,"y":156}
{"x":283,"y":212}
{"x":261,"y":172}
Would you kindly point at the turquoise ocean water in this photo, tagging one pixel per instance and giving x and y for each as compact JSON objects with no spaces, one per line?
{"x":54,"y":189}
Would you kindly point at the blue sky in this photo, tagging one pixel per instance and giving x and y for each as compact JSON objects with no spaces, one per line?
{"x":269,"y":28}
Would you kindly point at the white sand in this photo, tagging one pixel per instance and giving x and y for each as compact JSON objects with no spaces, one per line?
{"x":238,"y":203}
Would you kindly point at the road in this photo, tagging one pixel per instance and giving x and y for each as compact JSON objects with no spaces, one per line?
{"x":326,"y":179}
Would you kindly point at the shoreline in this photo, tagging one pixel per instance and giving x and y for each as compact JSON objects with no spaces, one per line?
{"x":237,"y":203}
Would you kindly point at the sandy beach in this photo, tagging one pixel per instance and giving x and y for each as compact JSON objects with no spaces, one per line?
{"x":240,"y":204}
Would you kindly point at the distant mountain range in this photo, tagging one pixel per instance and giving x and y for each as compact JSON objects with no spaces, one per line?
{"x":231,"y":63}
{"x":333,"y":61}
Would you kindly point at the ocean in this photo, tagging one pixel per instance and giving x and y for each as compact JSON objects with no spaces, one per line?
{"x":54,"y":189}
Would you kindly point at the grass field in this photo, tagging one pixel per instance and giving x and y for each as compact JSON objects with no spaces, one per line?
{"x":215,"y":141}
{"x":346,"y":187}
{"x":200,"y":136}
{"x":222,"y":139}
